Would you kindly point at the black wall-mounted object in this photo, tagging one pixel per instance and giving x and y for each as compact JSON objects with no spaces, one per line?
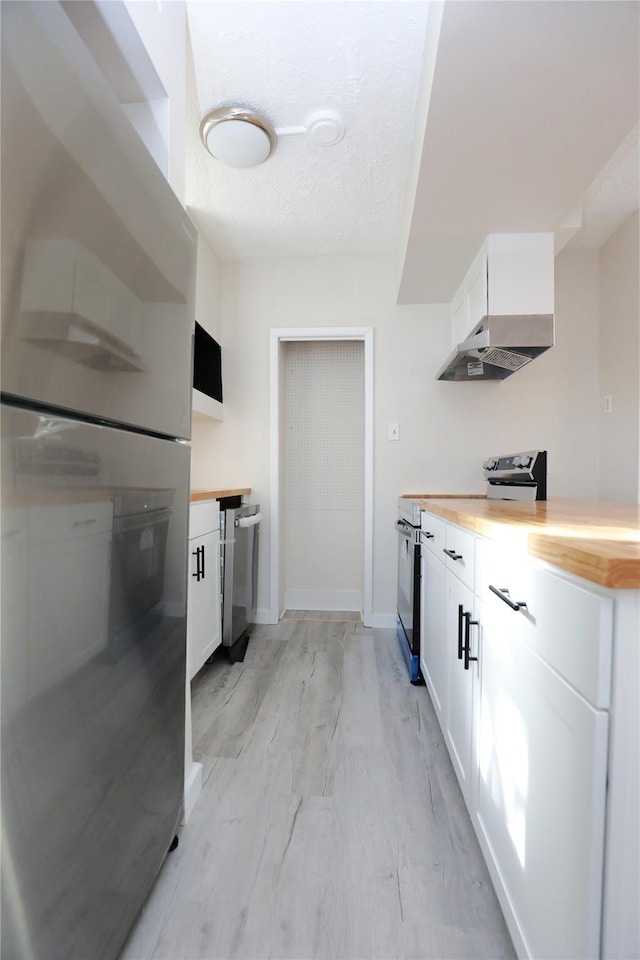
{"x":207,"y":364}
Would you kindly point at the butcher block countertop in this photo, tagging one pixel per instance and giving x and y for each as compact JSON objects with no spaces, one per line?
{"x":197,"y":495}
{"x":597,"y":541}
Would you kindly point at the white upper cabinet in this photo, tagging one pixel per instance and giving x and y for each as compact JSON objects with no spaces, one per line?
{"x":511,"y":275}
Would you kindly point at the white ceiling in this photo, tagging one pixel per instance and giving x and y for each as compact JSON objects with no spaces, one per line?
{"x":287,"y":60}
{"x":462,"y":118}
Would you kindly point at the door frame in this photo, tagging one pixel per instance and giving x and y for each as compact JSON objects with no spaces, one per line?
{"x":277,"y":337}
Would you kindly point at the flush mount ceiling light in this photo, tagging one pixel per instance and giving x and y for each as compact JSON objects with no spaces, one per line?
{"x":237,"y":137}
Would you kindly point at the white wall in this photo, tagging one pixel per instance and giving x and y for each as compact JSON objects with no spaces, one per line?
{"x":446,"y":429}
{"x":620,"y":365}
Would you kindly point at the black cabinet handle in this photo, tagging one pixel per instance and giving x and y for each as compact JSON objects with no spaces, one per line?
{"x":428,"y":536}
{"x":453,"y":554}
{"x":460,"y":619}
{"x":198,"y":553}
{"x":468,"y":623}
{"x":504,"y":596}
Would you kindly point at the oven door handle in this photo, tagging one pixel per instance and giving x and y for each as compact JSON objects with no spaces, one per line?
{"x":405,"y":529}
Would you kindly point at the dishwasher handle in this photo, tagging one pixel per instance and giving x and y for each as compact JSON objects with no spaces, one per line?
{"x":251,"y":521}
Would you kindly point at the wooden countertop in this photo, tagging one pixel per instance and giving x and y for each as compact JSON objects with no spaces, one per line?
{"x":197,"y":495}
{"x":597,"y":541}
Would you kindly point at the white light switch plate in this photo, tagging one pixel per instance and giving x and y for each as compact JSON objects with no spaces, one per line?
{"x":394,"y":431}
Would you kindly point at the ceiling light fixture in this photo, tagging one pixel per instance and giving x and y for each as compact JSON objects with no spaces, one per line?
{"x":238,"y":137}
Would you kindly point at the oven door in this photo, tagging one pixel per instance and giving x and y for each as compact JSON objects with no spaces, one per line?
{"x":409,"y":584}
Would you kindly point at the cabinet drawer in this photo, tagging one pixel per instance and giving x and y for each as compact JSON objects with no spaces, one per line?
{"x":569,"y":626}
{"x":203,"y":518}
{"x":436,"y":528}
{"x":461,"y":544}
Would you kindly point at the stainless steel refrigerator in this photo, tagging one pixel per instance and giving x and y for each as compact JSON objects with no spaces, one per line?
{"x":97,"y":309}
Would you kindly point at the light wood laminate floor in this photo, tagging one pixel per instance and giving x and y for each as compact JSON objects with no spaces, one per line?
{"x":330,"y":824}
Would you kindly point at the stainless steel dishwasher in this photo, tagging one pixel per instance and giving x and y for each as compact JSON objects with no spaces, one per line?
{"x":239,"y":529}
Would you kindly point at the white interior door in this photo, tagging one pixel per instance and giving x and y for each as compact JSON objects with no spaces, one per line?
{"x":324,"y":475}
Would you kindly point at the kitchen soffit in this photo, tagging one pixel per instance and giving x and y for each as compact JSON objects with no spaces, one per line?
{"x":462,"y":119}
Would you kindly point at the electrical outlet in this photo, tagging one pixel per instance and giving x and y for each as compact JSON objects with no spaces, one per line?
{"x":607,"y":404}
{"x":394,"y":431}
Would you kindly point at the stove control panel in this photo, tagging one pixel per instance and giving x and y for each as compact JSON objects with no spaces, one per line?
{"x":517,"y":476}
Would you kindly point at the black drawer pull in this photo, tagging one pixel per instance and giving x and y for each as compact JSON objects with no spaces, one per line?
{"x":461,"y":616}
{"x":504,"y":596}
{"x":428,"y":536}
{"x":453,"y":554}
{"x":467,"y":640}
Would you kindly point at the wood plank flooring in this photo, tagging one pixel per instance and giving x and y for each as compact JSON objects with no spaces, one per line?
{"x":330,"y":824}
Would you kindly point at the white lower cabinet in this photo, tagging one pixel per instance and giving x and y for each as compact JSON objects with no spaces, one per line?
{"x":204,"y":633}
{"x":527,"y":729}
{"x":433,"y":653}
{"x":542,"y":754}
{"x":461,"y":682}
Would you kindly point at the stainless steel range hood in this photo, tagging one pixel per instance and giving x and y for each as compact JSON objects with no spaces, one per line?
{"x":498,"y":346}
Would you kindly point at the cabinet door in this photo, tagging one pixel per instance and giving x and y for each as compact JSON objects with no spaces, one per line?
{"x":459,"y":708}
{"x":204,"y":599}
{"x":433,"y":644}
{"x":541,"y":795}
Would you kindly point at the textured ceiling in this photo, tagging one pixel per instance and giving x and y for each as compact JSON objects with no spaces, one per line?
{"x":287,"y":60}
{"x":614,"y":192}
{"x":462,"y":118}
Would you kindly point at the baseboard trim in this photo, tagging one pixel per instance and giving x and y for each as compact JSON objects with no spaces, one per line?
{"x":192,"y":788}
{"x":323,"y":599}
{"x":383,"y":621}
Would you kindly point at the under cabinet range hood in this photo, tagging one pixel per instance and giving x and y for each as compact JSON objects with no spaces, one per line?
{"x":498,"y":346}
